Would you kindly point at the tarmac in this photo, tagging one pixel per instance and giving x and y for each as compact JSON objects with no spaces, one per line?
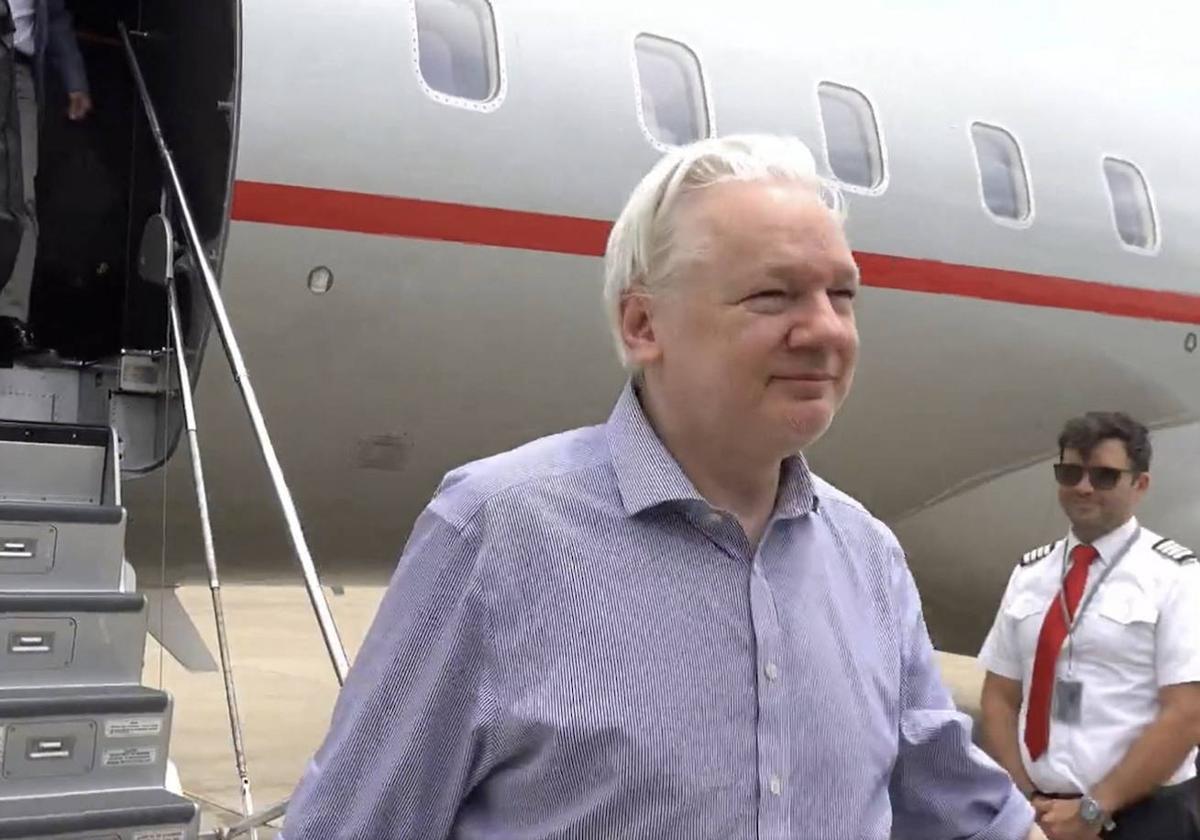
{"x":285,"y":690}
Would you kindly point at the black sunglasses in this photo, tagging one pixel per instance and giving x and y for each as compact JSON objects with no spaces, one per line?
{"x":1101,"y":478}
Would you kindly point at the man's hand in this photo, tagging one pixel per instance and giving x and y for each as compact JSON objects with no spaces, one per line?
{"x":1035,"y":833}
{"x":1060,"y":819}
{"x":79,"y":105}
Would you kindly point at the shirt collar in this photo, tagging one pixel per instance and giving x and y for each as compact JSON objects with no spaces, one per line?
{"x":1111,"y":543}
{"x":648,"y":475}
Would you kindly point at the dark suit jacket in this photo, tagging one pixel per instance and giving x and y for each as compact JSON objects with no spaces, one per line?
{"x":54,"y":37}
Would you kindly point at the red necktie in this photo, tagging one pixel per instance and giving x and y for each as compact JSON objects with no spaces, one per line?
{"x":1050,"y":642}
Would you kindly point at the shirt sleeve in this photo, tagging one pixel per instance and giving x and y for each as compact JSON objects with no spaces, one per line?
{"x":1177,"y":638}
{"x":999,"y":653}
{"x":943,"y":785}
{"x":409,"y":724}
{"x":63,"y":48}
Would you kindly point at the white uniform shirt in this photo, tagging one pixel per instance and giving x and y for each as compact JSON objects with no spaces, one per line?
{"x":1140,"y":632}
{"x":24,"y":13}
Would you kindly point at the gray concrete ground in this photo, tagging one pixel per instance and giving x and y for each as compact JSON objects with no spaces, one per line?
{"x":964,"y":676}
{"x":285,"y":685}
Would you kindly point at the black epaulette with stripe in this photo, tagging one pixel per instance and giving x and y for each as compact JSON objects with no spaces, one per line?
{"x":1174,"y":551}
{"x":1040,"y":553}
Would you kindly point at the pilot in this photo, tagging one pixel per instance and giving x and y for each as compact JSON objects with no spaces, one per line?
{"x":1092,"y":694}
{"x":666,"y":626}
{"x":41,"y":30}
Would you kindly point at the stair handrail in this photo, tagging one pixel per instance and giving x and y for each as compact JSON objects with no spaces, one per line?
{"x":212,"y":292}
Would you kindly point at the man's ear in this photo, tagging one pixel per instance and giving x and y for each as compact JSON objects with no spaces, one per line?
{"x":638,"y":328}
{"x":1142,"y":482}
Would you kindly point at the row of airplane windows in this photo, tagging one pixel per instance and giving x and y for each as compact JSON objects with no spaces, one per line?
{"x":460,"y":60}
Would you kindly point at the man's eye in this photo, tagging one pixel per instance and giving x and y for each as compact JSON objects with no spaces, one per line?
{"x":767,"y":301}
{"x":848,"y":294}
{"x":768,"y":294}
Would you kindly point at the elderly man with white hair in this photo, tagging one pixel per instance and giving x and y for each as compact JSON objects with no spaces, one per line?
{"x":666,"y":626}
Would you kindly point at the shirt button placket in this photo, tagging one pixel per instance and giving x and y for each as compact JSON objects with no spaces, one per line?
{"x":772,"y":736}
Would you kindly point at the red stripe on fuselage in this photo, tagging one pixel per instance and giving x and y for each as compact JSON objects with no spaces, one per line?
{"x":307,"y":207}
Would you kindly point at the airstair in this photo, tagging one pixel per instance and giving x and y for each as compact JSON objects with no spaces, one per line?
{"x":84,"y":745}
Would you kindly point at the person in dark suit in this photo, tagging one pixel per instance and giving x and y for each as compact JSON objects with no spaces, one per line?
{"x":42,"y":34}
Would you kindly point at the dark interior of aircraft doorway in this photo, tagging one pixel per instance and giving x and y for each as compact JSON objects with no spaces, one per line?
{"x":99,"y":178}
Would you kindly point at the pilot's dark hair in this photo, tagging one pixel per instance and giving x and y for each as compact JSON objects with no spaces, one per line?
{"x":1083,"y":434}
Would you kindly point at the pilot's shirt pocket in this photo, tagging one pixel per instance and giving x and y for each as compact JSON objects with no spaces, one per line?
{"x":1025,"y":614}
{"x":1119,"y":628}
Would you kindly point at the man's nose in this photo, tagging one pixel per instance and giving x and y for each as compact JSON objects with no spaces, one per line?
{"x":818,"y":324}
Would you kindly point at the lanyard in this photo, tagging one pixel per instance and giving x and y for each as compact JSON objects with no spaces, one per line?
{"x":1073,"y":623}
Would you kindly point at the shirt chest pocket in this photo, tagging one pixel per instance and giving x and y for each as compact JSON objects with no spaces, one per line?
{"x":1120,"y":626}
{"x":1025,"y":614}
{"x":1026,"y":606}
{"x":1127,"y":606}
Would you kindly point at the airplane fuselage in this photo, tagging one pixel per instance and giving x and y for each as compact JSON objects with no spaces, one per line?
{"x":465,"y":314}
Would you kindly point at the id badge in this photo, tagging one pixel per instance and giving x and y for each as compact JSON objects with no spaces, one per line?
{"x":1068,"y":701}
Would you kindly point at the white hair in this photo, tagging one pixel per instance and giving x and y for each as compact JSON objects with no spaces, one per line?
{"x":641,"y":248}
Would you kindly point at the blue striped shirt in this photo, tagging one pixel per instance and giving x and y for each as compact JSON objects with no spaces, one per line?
{"x":576,"y":645}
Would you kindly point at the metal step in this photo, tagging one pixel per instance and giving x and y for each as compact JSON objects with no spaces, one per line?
{"x":71,"y":638}
{"x":120,"y":815}
{"x":57,"y":462}
{"x":74,"y":740}
{"x":84,"y":747}
{"x":61,"y":548}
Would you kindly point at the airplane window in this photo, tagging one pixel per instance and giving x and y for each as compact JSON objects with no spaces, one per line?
{"x":1002,"y":176}
{"x":852,"y":144}
{"x":673,"y":104}
{"x":456,"y":45}
{"x":1133,"y":211}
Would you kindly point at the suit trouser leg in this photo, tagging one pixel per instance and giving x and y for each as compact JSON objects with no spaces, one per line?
{"x":1171,"y":814}
{"x":14,"y":297}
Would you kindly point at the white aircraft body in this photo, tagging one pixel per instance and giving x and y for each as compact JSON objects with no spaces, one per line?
{"x":462,"y":236}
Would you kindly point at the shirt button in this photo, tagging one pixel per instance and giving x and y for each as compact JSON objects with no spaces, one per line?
{"x":776,"y":785}
{"x":714,"y":519}
{"x":772,"y":671}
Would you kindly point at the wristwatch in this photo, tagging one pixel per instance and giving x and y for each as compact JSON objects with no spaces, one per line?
{"x":1092,"y":814}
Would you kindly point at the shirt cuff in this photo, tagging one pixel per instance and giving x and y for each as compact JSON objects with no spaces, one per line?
{"x":1014,"y":821}
{"x":989,"y":661}
{"x":1177,"y":673}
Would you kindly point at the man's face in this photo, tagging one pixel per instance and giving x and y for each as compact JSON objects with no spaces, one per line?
{"x":755,"y":335}
{"x":1094,"y":512}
